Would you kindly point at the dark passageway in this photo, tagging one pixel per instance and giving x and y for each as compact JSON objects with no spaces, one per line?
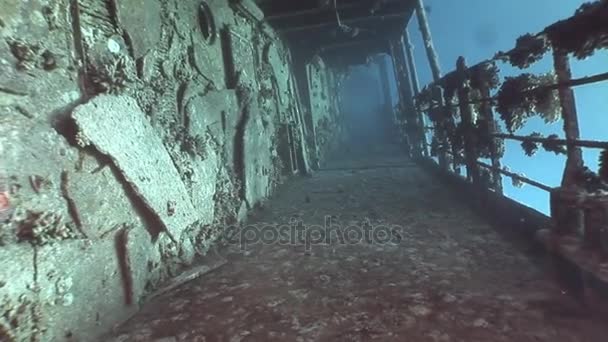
{"x":273,"y":170}
{"x":367,"y":107}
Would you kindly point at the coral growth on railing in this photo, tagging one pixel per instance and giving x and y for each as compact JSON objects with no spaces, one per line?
{"x":461,"y":108}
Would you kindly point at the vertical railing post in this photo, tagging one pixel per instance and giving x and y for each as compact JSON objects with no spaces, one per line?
{"x":409,"y":52}
{"x":433,"y":60}
{"x":566,"y":201}
{"x":406,"y":98}
{"x":470,"y":150}
{"x":447,"y":120}
{"x":487,"y":114}
{"x":395,"y":112}
{"x":413,"y":75}
{"x":412,"y":123}
{"x":396,"y":75}
{"x":396,"y":70}
{"x":574,"y":162}
{"x":437,"y":104}
{"x":428,"y":40}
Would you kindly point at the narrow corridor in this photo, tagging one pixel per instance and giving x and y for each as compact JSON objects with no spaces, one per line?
{"x":334,"y":137}
{"x":445,"y":274}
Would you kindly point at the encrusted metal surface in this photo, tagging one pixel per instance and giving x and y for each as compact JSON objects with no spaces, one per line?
{"x":151,"y":173}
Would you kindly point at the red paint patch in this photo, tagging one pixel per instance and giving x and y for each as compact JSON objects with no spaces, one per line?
{"x":5,"y":202}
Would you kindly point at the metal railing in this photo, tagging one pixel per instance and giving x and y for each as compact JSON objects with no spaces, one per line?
{"x":464,"y":129}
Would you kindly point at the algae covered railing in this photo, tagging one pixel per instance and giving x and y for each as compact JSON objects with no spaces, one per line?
{"x":462,"y":107}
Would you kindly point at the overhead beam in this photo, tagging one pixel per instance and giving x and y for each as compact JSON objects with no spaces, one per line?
{"x":350,"y":12}
{"x":345,"y":44}
{"x":317,"y":40}
{"x":274,"y":7}
{"x":308,"y":12}
{"x":354,"y":54}
{"x":327,"y":15}
{"x":347,"y":21}
{"x":362,"y":48}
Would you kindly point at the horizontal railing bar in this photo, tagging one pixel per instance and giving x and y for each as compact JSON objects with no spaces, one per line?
{"x":575,"y":82}
{"x":580,"y":143}
{"x":516,"y":176}
{"x":572,"y":83}
{"x":513,"y":175}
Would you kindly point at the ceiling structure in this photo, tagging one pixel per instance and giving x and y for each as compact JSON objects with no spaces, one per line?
{"x":342,"y":31}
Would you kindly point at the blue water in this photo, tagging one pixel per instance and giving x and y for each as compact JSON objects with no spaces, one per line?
{"x":477,"y":29}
